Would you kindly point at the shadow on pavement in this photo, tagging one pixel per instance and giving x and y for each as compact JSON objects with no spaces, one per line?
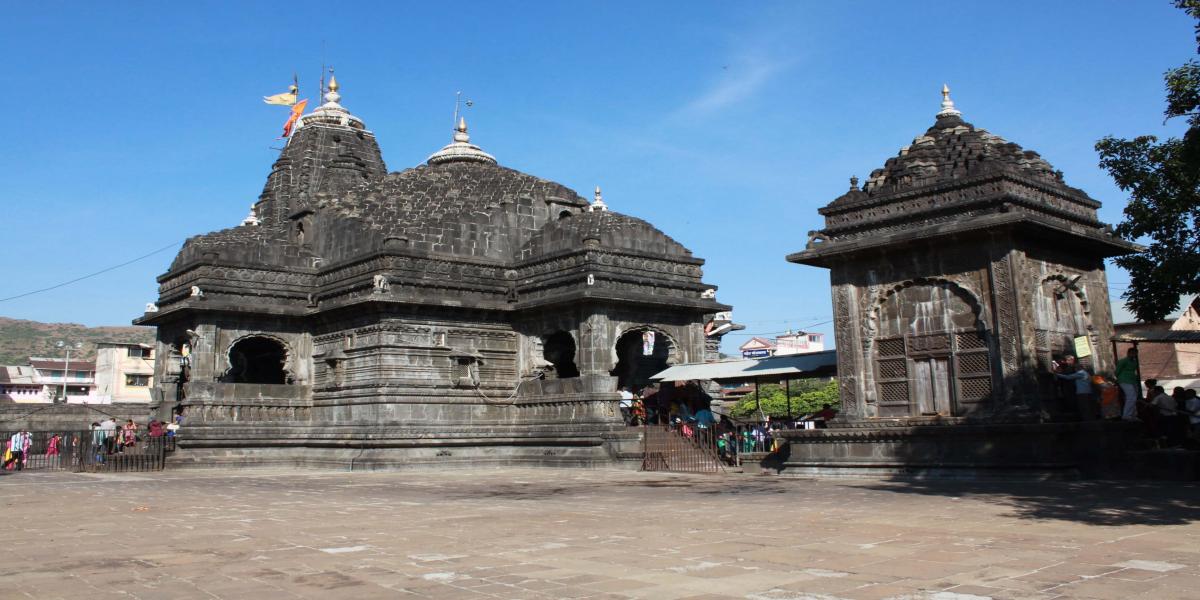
{"x":1091,"y":502}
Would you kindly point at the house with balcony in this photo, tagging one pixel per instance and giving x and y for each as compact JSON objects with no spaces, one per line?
{"x":77,"y":378}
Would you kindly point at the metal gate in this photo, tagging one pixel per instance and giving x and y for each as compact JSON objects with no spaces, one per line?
{"x":87,"y":451}
{"x":680,"y":449}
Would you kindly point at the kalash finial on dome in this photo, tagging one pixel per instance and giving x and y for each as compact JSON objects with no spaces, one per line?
{"x":460,"y":131}
{"x":597,"y":202}
{"x":461,"y":149}
{"x":332,"y":113}
{"x":948,"y":109}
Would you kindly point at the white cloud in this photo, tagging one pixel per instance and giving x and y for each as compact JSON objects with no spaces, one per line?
{"x":739,"y":81}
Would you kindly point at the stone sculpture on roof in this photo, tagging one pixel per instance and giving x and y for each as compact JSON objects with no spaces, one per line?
{"x":458,"y":310}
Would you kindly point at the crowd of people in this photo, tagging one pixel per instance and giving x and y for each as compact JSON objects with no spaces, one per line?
{"x":687,"y":409}
{"x":107,"y":437}
{"x":1172,"y":420}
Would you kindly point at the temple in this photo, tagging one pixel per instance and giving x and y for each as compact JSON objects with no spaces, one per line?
{"x":959,"y":272}
{"x":455,"y":311}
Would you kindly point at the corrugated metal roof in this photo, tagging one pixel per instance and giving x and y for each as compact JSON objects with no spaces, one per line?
{"x":791,"y":366}
{"x":58,"y":363}
{"x":1159,"y":336}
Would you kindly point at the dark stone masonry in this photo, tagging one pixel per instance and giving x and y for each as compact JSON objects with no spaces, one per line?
{"x":959,"y":271}
{"x":459,"y":311}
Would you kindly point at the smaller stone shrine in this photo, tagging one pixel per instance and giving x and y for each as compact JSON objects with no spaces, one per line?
{"x":959,"y":272}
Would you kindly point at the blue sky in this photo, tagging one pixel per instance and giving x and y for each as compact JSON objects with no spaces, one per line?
{"x":131,"y":126}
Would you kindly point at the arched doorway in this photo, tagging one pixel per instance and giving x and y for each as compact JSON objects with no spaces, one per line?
{"x":558,"y":349}
{"x":932,"y":351}
{"x":641,"y":353}
{"x":257,"y":359}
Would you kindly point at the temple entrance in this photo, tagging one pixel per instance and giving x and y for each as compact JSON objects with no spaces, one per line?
{"x":931,"y":381}
{"x":558,"y":349}
{"x":640,"y":354}
{"x":932,"y":353}
{"x":257,"y":360}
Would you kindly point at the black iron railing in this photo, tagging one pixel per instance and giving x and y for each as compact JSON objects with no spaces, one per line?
{"x":91,"y":451}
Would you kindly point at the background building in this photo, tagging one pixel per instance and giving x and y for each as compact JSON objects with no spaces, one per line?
{"x":79,"y":377}
{"x":124,"y":372}
{"x":20,"y":384}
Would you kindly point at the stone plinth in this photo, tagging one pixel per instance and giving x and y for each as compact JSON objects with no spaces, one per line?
{"x":953,"y":448}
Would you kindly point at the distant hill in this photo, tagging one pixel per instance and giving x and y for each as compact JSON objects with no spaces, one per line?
{"x":21,"y":339}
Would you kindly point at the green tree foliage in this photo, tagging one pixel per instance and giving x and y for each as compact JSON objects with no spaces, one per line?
{"x":808,"y":395}
{"x":1163,"y":180}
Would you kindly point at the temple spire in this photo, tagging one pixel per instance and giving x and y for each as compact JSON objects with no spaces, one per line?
{"x":332,"y":112}
{"x":948,"y":109}
{"x":597,"y":202}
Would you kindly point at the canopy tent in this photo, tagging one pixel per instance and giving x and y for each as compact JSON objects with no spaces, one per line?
{"x":759,"y":370}
{"x":770,"y":369}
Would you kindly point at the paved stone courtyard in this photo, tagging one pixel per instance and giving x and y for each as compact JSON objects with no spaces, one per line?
{"x":522,"y":533}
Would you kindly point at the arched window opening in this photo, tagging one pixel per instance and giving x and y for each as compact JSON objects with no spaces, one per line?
{"x":558,"y":348}
{"x":564,"y":214}
{"x":257,"y":360}
{"x":641,"y":353}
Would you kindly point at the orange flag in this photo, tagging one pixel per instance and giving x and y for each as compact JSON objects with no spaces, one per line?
{"x":297,"y":110}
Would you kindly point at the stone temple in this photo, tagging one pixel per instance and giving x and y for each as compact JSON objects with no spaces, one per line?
{"x":455,"y":311}
{"x":959,"y":271}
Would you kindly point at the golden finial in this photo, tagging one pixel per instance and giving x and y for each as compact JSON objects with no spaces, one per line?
{"x":597,"y":195}
{"x":462,"y":125}
{"x":945,"y":92}
{"x":333,"y":84}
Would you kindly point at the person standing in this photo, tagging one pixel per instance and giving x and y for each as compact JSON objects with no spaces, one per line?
{"x":18,"y":444}
{"x":1127,"y":378}
{"x":1071,"y":371}
{"x":626,"y":405}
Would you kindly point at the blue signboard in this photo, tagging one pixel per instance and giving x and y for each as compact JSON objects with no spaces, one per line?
{"x":755,"y":353}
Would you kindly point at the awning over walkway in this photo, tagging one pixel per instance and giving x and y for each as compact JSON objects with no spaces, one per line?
{"x":1160,"y":337}
{"x":774,"y":368}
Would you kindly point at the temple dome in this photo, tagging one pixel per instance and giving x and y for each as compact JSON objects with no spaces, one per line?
{"x":602,"y":229}
{"x":460,"y":149}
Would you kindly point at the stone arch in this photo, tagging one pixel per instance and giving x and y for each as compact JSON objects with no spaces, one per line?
{"x":259,"y":358}
{"x":1054,"y":293}
{"x":957,"y":287}
{"x":631,"y":366}
{"x":929,"y":349}
{"x":1061,"y":313}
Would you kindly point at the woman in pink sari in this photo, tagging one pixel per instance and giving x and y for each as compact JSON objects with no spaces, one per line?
{"x":53,"y":449}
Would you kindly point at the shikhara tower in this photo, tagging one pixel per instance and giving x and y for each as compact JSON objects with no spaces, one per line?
{"x":455,"y":311}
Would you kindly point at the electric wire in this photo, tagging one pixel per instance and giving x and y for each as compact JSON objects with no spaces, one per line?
{"x":90,"y":275}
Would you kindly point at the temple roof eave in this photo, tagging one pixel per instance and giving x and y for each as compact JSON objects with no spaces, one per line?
{"x":826,"y":253}
{"x":939,"y":187}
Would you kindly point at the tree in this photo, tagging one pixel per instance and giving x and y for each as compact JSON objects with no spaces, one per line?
{"x":1163,"y":180}
{"x":808,"y":395}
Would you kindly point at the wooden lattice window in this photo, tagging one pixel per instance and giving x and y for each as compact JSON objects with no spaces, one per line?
{"x":942,"y":372}
{"x":893,"y":372}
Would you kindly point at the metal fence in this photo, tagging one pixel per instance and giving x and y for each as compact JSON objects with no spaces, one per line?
{"x":88,"y":451}
{"x":680,"y":448}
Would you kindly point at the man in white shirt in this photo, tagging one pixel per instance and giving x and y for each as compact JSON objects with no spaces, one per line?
{"x":626,"y":404}
{"x":18,"y":443}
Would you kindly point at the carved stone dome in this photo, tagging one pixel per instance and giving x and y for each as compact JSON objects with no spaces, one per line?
{"x":604,"y":229}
